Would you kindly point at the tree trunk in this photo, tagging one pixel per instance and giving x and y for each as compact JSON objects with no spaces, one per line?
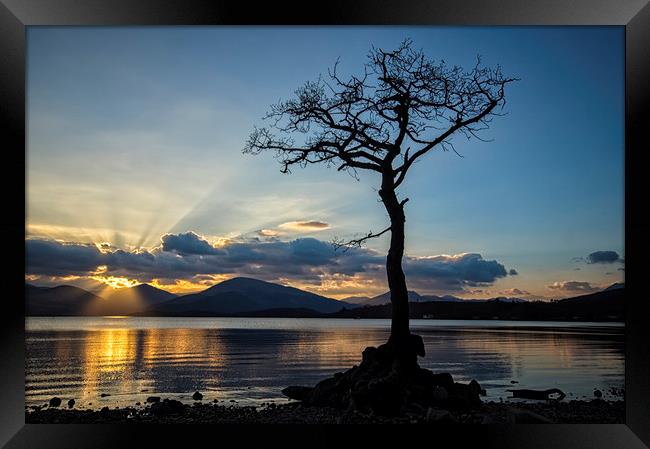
{"x":396,"y":280}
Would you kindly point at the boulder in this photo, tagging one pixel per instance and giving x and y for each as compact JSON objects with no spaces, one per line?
{"x":300,"y":393}
{"x":436,"y":415}
{"x":522,"y":416}
{"x":153,"y":399}
{"x":439,"y":394}
{"x":55,"y":402}
{"x":167,"y":407}
{"x":598,"y":394}
{"x":197,"y":396}
{"x":71,"y":403}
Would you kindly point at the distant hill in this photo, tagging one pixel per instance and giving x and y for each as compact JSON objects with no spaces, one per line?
{"x":606,"y":305}
{"x":66,"y":300}
{"x":616,"y":286}
{"x":242,"y":294}
{"x":384,"y":298}
{"x":127,"y":301}
{"x":252,"y":297}
{"x":62,"y":300}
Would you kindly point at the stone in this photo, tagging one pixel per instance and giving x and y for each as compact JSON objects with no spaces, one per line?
{"x":522,"y":416}
{"x":167,"y":407}
{"x":436,"y":415}
{"x":439,"y":394}
{"x":197,"y":396}
{"x":103,"y":395}
{"x":71,"y":403}
{"x":300,"y":393}
{"x":598,"y":394}
{"x":153,"y":399}
{"x":55,"y":402}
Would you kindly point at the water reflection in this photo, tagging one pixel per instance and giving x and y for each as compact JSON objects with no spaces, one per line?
{"x":244,"y":360}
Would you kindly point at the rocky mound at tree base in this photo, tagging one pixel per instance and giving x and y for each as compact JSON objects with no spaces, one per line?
{"x":389,"y":381}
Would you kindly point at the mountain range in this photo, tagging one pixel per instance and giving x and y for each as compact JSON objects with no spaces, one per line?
{"x":252,"y":297}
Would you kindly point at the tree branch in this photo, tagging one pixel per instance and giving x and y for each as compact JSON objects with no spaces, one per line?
{"x":346,"y":245}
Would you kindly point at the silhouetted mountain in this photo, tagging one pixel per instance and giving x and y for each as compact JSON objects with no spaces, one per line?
{"x":380,"y":299}
{"x":357,"y":300}
{"x":241,"y":294}
{"x":66,"y":300}
{"x":615,"y":286}
{"x":60,"y":300}
{"x":251,"y":297}
{"x":607,"y":305}
{"x":505,"y":299}
{"x":127,"y":301}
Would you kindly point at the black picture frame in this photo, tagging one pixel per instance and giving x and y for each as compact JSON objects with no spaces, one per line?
{"x":16,"y":15}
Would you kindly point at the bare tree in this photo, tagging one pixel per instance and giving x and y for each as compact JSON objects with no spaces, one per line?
{"x":403,"y":106}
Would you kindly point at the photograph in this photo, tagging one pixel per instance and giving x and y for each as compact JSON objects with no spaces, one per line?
{"x":325,"y":225}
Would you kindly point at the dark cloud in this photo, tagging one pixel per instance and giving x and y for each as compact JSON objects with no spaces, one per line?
{"x":445,"y":273}
{"x":603,"y":257}
{"x":191,"y":257}
{"x":54,"y":258}
{"x":187,"y":243}
{"x":573,"y":287}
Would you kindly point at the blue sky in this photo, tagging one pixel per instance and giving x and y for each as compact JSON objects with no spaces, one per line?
{"x":134,"y":133}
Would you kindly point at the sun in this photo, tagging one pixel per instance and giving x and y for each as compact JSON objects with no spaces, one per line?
{"x":116,"y":282}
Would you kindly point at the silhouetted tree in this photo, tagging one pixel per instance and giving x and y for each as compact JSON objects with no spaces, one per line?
{"x":403,"y":106}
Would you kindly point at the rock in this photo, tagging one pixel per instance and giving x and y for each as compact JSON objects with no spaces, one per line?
{"x":598,"y":394}
{"x":197,"y":396}
{"x":538,"y":394}
{"x":153,"y":399}
{"x":55,"y":402}
{"x":417,"y":344}
{"x":514,"y":381}
{"x":439,"y":394}
{"x":436,"y":415}
{"x":488,"y":419}
{"x":167,"y":407}
{"x":103,"y":395}
{"x":300,"y":393}
{"x":71,"y":403}
{"x":137,"y":403}
{"x":466,"y":395}
{"x":522,"y":416}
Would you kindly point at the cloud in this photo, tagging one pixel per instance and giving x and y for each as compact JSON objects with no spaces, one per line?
{"x":451,"y":273}
{"x":514,"y":292}
{"x":573,"y":287}
{"x":305,"y":226}
{"x":190,"y":257}
{"x":603,"y":257}
{"x":187,"y":243}
{"x":268,"y":233}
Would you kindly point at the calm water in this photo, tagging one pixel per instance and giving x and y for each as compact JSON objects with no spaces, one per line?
{"x":251,"y":360}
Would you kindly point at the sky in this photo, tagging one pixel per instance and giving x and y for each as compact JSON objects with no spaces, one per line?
{"x":135,"y":171}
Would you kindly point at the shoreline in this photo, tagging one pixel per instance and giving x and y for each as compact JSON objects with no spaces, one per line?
{"x":596,"y":411}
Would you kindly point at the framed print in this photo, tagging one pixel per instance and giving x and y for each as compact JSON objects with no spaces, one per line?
{"x":424,"y":216}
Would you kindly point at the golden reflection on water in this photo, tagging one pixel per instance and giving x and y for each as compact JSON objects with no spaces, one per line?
{"x":124,"y":361}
